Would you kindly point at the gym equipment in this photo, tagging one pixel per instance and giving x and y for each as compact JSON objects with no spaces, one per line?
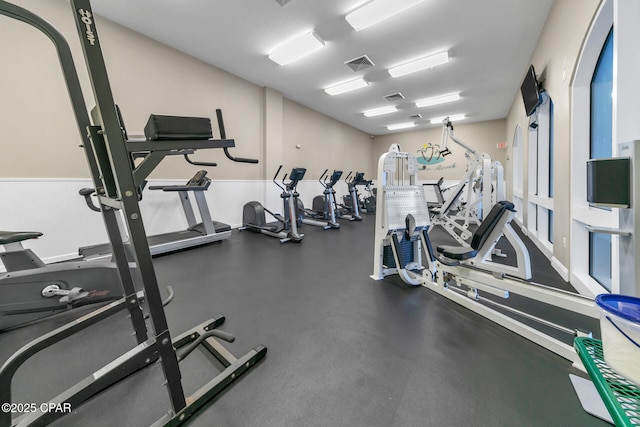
{"x":325,"y":204}
{"x":197,"y":233}
{"x":484,"y":184}
{"x":464,"y":274}
{"x":402,"y":222}
{"x":117,"y":184}
{"x":31,"y":289}
{"x":286,"y":227}
{"x":325,"y":217}
{"x":361,"y":204}
{"x":349,"y":210}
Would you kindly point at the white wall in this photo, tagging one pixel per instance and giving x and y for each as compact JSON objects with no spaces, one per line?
{"x":554,"y":59}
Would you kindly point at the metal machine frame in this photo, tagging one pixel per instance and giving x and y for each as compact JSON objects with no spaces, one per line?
{"x":464,"y":281}
{"x":31,"y":290}
{"x":118,"y":184}
{"x":286,"y":230}
{"x":325,"y":219}
{"x":401,"y":196}
{"x":484,"y":184}
{"x":325,"y":205}
{"x":197,"y":233}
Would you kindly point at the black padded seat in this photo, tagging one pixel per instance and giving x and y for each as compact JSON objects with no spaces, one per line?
{"x":459,"y":253}
{"x":7,"y":237}
{"x":480,"y":236}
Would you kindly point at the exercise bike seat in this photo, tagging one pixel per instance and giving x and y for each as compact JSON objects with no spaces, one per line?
{"x":7,"y":237}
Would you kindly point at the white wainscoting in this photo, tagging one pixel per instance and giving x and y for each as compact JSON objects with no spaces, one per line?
{"x":54,"y":207}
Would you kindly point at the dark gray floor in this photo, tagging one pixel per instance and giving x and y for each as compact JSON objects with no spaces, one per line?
{"x":343,"y":350}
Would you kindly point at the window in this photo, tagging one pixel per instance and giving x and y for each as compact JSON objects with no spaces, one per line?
{"x":540,"y":182}
{"x":602,"y":103}
{"x":600,"y":258}
{"x":601,"y":147}
{"x":594,"y":256}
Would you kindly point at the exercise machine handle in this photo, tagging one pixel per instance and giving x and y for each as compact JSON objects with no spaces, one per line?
{"x":238,"y":159}
{"x":276,"y":175}
{"x":198,"y":163}
{"x":322,"y":176}
{"x":223,"y":135}
{"x":185,"y":351}
{"x":86,"y":193}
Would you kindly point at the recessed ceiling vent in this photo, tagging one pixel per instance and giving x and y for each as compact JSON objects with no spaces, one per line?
{"x":360,"y":63}
{"x":416,"y":116}
{"x":283,"y":2}
{"x":394,"y":97}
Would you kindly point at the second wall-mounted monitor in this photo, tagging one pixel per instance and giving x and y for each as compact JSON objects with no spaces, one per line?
{"x":609,"y":182}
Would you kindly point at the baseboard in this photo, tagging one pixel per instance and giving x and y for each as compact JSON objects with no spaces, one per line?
{"x":560,"y":268}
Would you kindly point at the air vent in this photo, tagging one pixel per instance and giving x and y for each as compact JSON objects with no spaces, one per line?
{"x":360,"y":63}
{"x":394,"y":97}
{"x":416,"y":116}
{"x":283,"y":2}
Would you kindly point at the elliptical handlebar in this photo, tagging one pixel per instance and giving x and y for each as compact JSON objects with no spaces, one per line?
{"x":276,"y":175}
{"x":348,"y":176}
{"x":323,"y":183}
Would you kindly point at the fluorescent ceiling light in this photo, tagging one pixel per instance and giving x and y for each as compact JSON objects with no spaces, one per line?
{"x":347,"y":86}
{"x":453,"y":118}
{"x":404,"y":125}
{"x":296,"y":48}
{"x":377,"y":11}
{"x":419,"y":64}
{"x":436,"y":100}
{"x":380,"y":111}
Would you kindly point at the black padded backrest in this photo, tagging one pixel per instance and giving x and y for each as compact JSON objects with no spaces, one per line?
{"x":161,"y":127}
{"x":489,"y":223}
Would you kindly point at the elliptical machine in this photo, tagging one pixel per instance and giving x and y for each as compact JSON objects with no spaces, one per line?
{"x":326,"y":203}
{"x":324,"y":216}
{"x":350,"y":209}
{"x":286,"y":227}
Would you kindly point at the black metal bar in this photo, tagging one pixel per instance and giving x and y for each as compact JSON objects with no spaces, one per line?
{"x":16,"y":360}
{"x":214,"y":387}
{"x":179,"y":144}
{"x":127,"y":193}
{"x":132,"y":361}
{"x":223,"y":135}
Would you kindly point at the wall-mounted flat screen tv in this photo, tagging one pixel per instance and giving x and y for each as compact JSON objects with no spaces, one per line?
{"x":530,"y":90}
{"x":609,"y":182}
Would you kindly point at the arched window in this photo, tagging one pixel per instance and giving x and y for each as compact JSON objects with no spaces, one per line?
{"x":593,"y":252}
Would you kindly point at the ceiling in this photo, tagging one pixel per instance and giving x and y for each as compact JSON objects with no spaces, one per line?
{"x":490,"y":43}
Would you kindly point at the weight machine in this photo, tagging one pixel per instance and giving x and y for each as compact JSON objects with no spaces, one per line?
{"x":468,"y":276}
{"x":402,"y":221}
{"x":484,"y":185}
{"x":117,"y":184}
